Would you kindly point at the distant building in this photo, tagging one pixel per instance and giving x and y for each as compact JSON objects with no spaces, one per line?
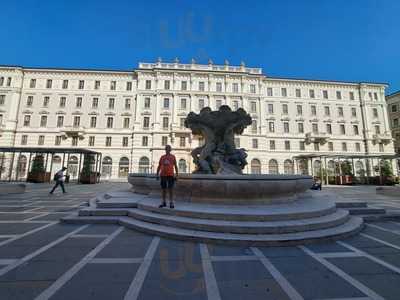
{"x":130,"y":115}
{"x":393,"y":103}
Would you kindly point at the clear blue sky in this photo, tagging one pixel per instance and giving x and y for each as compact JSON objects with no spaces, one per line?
{"x":354,"y":40}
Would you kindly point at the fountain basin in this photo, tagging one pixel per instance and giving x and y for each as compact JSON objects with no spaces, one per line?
{"x":227,"y":189}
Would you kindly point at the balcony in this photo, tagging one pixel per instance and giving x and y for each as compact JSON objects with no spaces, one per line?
{"x":73,"y":131}
{"x":2,"y":127}
{"x":316,"y":138}
{"x":382,"y":138}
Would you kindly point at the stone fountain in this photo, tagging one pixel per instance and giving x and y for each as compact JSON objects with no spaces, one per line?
{"x":218,"y":203}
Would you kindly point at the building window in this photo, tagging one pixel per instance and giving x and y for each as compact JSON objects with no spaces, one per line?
{"x":1,"y":119}
{"x":299,"y":110}
{"x":167,"y":84}
{"x":43,"y":121}
{"x":164,"y":140}
{"x":46,"y":101}
{"x":127,"y":103}
{"x":298,"y":93}
{"x":344,"y":147}
{"x":353,"y":112}
{"x":255,"y":143}
{"x":396,"y":122}
{"x":29,"y":101}
{"x":313,"y":110}
{"x":24,"y":139}
{"x":2,"y":99}
{"x":97,"y":85}
{"x":351,"y":95}
{"x":184,"y":85}
{"x":201,"y":104}
{"x":370,"y":95}
{"x":355,"y":129}
{"x":60,"y":121}
{"x":49,"y":83}
{"x":126,"y":123}
{"x":314,"y":127}
{"x":147,"y":102}
{"x":375,"y":112}
{"x":286,"y":127}
{"x":316,"y":147}
{"x":284,"y":92}
{"x":9,"y":81}
{"x":182,"y":122}
{"x":41,"y":140}
{"x":95,"y":102}
{"x":235,"y":105}
{"x":330,"y":146}
{"x":235,"y":87}
{"x":125,"y":141}
{"x":377,"y":129}
{"x":113,"y":85}
{"x":376,"y":96}
{"x":93,"y":121}
{"x":340,"y":111}
{"x":285,"y":109}
{"x":129,"y":86}
{"x":32,"y":83}
{"x":145,"y":141}
{"x":183,"y":103}
{"x":254,"y":126}
{"x":182,"y":141}
{"x":287,"y":145}
{"x":252,"y":88}
{"x":108,"y":141}
{"x":79,"y":102}
{"x":342,"y":129}
{"x":327,"y":111}
{"x":77,"y":121}
{"x":166,"y":103}
{"x":218,"y":87}
{"x":74,"y":141}
{"x":312,"y":93}
{"x":81,"y":84}
{"x":201,"y":86}
{"x":91,"y":141}
{"x":63,"y":101}
{"x":110,"y":121}
{"x":394,"y":108}
{"x":272,"y":145}
{"x":27,"y":120}
{"x":165,"y":122}
{"x":358,"y":147}
{"x":329,"y":128}
{"x":218,"y":104}
{"x":57,"y":141}
{"x":111,"y":103}
{"x":300,"y":127}
{"x":338,"y":95}
{"x":253,"y":106}
{"x":302,"y":146}
{"x":146,"y":122}
{"x":270,"y":108}
{"x":381,"y":149}
{"x":148,"y":84}
{"x":325,"y":94}
{"x":271,"y":126}
{"x":65,"y":84}
{"x":1,"y":81}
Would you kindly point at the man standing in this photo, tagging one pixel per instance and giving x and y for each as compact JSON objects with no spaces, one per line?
{"x":165,"y":170}
{"x":59,"y":179}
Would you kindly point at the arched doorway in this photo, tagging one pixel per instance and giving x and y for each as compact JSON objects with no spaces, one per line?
{"x":182,"y":166}
{"x":255,"y":166}
{"x":106,"y":170}
{"x":288,"y":167}
{"x":73,"y":167}
{"x":144,"y":165}
{"x":123,"y":169}
{"x":303,"y":166}
{"x":273,"y":166}
{"x":21,"y":166}
{"x":317,"y":168}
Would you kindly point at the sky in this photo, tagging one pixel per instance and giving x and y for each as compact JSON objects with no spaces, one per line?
{"x":345,"y":40}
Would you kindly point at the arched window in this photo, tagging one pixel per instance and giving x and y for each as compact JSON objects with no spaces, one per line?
{"x":144,"y":165}
{"x":123,"y":169}
{"x":273,"y":166}
{"x":303,"y":166}
{"x":21,"y":167}
{"x":288,"y":167}
{"x":360,"y":169}
{"x":255,"y":166}
{"x":331,"y":168}
{"x":106,"y":169}
{"x":182,"y":166}
{"x":73,"y":166}
{"x":317,"y":168}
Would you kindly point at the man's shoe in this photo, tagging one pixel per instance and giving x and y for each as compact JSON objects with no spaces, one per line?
{"x":171,"y":205}
{"x":162,"y":205}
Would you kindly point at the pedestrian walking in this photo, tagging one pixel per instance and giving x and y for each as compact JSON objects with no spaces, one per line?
{"x":59,"y":178}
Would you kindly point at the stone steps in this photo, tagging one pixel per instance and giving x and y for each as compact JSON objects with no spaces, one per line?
{"x":350,"y":227}
{"x":257,"y":227}
{"x":366,"y":211}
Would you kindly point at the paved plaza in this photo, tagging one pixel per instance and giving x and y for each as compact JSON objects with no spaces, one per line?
{"x":41,"y":258}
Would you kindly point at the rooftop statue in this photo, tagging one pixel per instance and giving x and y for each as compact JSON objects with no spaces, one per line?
{"x":218,"y":155}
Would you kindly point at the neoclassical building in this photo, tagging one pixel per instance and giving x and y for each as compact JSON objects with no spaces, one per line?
{"x":130,"y":115}
{"x":393,"y":102}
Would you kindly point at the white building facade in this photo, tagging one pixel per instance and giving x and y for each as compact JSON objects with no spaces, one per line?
{"x":129,"y":116}
{"x":393,"y":103}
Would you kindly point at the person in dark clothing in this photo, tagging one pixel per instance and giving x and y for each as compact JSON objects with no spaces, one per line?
{"x":165,"y":170}
{"x":59,"y":178}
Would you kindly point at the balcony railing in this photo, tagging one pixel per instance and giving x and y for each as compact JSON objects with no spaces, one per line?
{"x":382,"y":138}
{"x":73,"y":131}
{"x":316,"y":138}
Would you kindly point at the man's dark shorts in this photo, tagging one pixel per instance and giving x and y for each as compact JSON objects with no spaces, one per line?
{"x":167,"y":182}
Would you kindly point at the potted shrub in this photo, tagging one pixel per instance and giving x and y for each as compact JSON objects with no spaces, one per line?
{"x":346,"y":176}
{"x":87,"y":175}
{"x":38,"y":173}
{"x":387,"y":173}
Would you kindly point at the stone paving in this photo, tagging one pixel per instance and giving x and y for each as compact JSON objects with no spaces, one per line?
{"x":41,"y":258}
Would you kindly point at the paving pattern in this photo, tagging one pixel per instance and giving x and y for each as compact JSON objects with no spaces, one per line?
{"x":41,"y":258}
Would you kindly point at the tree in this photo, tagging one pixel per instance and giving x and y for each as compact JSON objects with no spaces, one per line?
{"x":38,"y":165}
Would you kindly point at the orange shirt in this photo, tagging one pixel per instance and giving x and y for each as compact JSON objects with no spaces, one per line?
{"x":167,"y":163}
